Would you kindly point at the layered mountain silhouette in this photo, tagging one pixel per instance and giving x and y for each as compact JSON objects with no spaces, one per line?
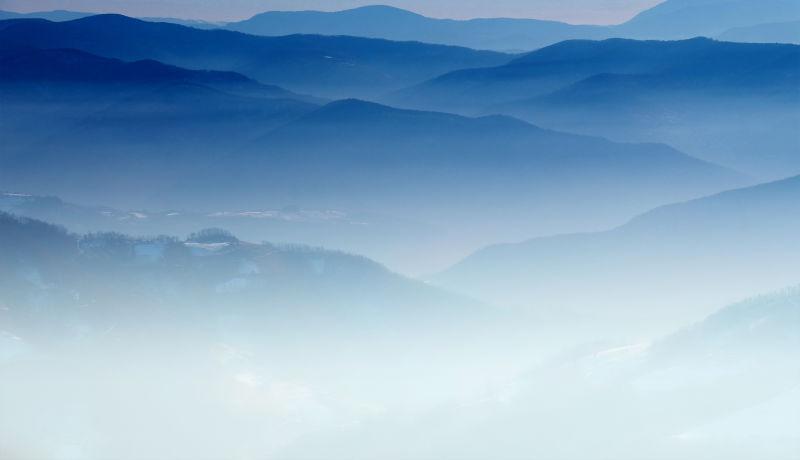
{"x":708,"y":65}
{"x":601,"y":334}
{"x":30,"y":67}
{"x":669,"y":20}
{"x":361,"y":156}
{"x":323,"y":66}
{"x":62,"y":15}
{"x":673,"y":19}
{"x":423,"y":164}
{"x":396,"y":24}
{"x":166,"y":135}
{"x":712,"y":99}
{"x":128,"y":108}
{"x":419,"y":152}
{"x":189,"y":134}
{"x":664,"y":266}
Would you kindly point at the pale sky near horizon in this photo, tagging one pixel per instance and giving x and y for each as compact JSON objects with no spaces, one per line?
{"x":573,"y":11}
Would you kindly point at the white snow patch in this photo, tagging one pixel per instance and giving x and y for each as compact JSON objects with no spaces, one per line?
{"x":205,"y":249}
{"x":18,"y":195}
{"x":287,"y":216}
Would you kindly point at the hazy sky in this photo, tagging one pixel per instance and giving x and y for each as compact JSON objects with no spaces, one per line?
{"x":575,"y":11}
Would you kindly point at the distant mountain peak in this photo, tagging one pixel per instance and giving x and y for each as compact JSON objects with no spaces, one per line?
{"x":361,"y":10}
{"x":105,"y":17}
{"x":353,"y":104}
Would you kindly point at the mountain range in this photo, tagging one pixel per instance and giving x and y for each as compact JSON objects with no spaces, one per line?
{"x":49,"y":95}
{"x":248,"y":312}
{"x":676,"y":260}
{"x":379,"y":237}
{"x":99,"y":279}
{"x":189,"y":134}
{"x":558,"y":67}
{"x":714,"y":100}
{"x":396,"y":24}
{"x":669,"y":20}
{"x":358,"y":157}
{"x":324,"y":66}
{"x":29,"y":67}
{"x":62,"y":15}
{"x":169,"y":285}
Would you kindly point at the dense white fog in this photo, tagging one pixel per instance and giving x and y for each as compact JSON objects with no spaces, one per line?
{"x":186,"y":394}
{"x":170,"y":349}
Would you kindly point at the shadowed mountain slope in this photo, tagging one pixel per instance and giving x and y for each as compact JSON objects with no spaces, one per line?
{"x":425,"y":163}
{"x":325,"y":66}
{"x":190,"y":134}
{"x":730,"y":103}
{"x":28,"y":67}
{"x":188,"y":142}
{"x":49,"y":95}
{"x":710,"y":64}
